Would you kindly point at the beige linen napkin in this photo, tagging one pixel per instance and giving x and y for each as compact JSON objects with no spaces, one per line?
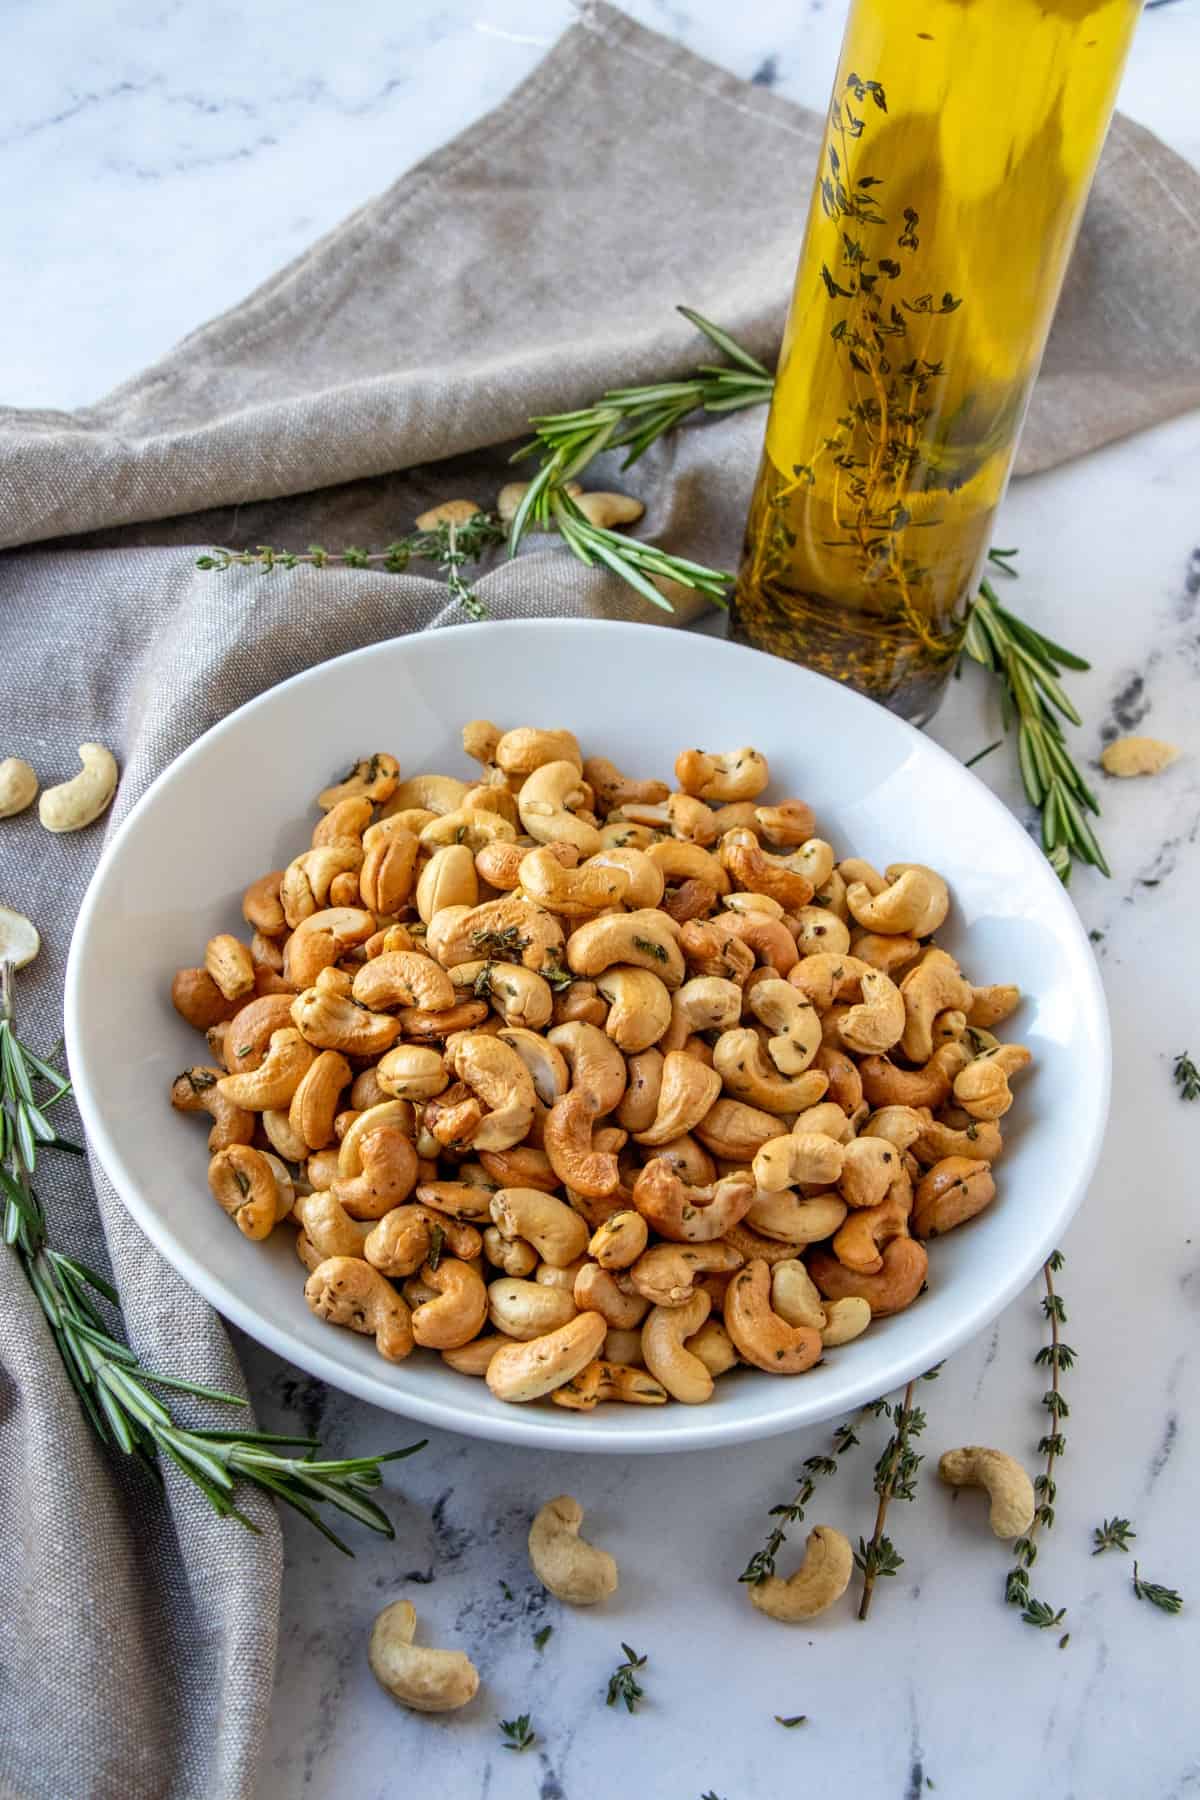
{"x":385,"y":368}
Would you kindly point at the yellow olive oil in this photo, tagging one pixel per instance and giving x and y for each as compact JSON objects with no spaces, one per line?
{"x":960,"y":146}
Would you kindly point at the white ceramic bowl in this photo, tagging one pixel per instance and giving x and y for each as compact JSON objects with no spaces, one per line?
{"x":239,"y":802}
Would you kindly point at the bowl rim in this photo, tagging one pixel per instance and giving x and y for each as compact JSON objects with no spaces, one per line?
{"x":706,"y":1428}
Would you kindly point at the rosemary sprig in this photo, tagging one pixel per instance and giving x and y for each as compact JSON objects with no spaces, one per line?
{"x":114,"y":1387}
{"x":1187,"y":1077}
{"x":1028,"y":666}
{"x":517,"y":1734}
{"x":1166,"y":1599}
{"x":623,"y":1683}
{"x":1114,"y":1534}
{"x":1059,"y":1357}
{"x":762,"y":1563}
{"x":895,"y":1479}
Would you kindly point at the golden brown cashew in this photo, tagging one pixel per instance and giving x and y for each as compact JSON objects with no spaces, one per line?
{"x":474,"y":1358}
{"x":936,"y":985}
{"x":644,"y":939}
{"x":329,"y":1229}
{"x":403,"y":978}
{"x":428,"y":793}
{"x":462,"y":1200}
{"x":230,"y":965}
{"x":751,"y":867}
{"x":447,"y":879}
{"x":666,"y":1274}
{"x":332,"y":1021}
{"x":705,"y":1003}
{"x":950,"y":1193}
{"x":989,"y":1005}
{"x":979,"y":1139}
{"x":712,"y":949}
{"x":598,"y":1290}
{"x":528,"y":1309}
{"x":309,"y":877}
{"x":639,"y":1007}
{"x":982,"y":1089}
{"x":736,"y":1131}
{"x":877,"y":1022}
{"x":845,"y":1319}
{"x":690,"y":1160}
{"x":322,"y":940}
{"x":496,"y":1074}
{"x":646,"y":879}
{"x":315,"y":1101}
{"x":273,"y":1083}
{"x":262,"y":907}
{"x":691,"y":819}
{"x":521,"y":997}
{"x":596,"y":1064}
{"x":613,"y":789}
{"x":198,"y":1090}
{"x":575,"y":893}
{"x":735,"y":775}
{"x":197,"y":998}
{"x":374,"y":778}
{"x":691,"y":1215}
{"x":686,"y":1095}
{"x":620,"y":1240}
{"x":794,"y":1295}
{"x":607,"y":1379}
{"x":412,"y":1072}
{"x":640,"y":1101}
{"x":816,"y":929}
{"x":713,"y":1346}
{"x":1007,"y":1485}
{"x":821,"y":1579}
{"x":900,"y":1125}
{"x":557,"y":1233}
{"x":79,"y":802}
{"x":678,"y":861}
{"x":252,"y":1028}
{"x":759,"y":1334}
{"x":568,"y":1140}
{"x":824,"y":978}
{"x":777,"y":1005}
{"x":788,"y":1218}
{"x":349,"y":1292}
{"x":741,"y":1062}
{"x":546,"y":804}
{"x":914,"y":901}
{"x":458,"y":1313}
{"x":515,"y":1258}
{"x":885,"y":1085}
{"x":472,"y":827}
{"x":859,"y":1243}
{"x":870,"y":1167}
{"x":566,"y":1564}
{"x":798,"y":1156}
{"x":526,"y":1371}
{"x":789,"y":824}
{"x":386,"y":1171}
{"x":244,"y":1185}
{"x":682,"y":1374}
{"x":512,"y":928}
{"x":530,"y":747}
{"x":896,"y":1286}
{"x":425,"y":1680}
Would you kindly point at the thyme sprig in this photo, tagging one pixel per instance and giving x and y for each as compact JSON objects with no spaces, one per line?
{"x":623,"y":1683}
{"x":1028,"y":666}
{"x":1058,"y":1357}
{"x":1187,"y":1077}
{"x":1167,"y":1599}
{"x":450,"y":545}
{"x":1114,"y":1534}
{"x":895,"y":1479}
{"x":790,"y":1512}
{"x":115,"y":1389}
{"x":517,"y":1733}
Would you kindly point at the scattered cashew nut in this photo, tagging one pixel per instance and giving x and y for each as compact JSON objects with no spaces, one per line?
{"x":565,"y":1563}
{"x":79,"y":802}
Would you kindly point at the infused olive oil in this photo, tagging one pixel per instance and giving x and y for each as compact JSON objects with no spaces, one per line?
{"x":961,"y":142}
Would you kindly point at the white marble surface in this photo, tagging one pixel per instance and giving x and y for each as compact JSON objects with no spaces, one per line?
{"x":159,"y":160}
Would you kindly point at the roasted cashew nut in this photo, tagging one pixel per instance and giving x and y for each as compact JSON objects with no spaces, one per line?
{"x":350,"y":1292}
{"x":885,"y":1085}
{"x":691,"y":1215}
{"x":512,"y":929}
{"x":644,"y":939}
{"x":896,"y":1286}
{"x":761,"y":1336}
{"x":741,"y":1062}
{"x":806,"y":1157}
{"x":198,"y":1090}
{"x":705,"y":1003}
{"x":574,"y":893}
{"x":795,"y":1297}
{"x":332,"y":1021}
{"x":936,"y":985}
{"x":595,"y":1062}
{"x":321,"y":940}
{"x":530,"y":747}
{"x":79,"y":802}
{"x":526,"y":1371}
{"x":546,"y":804}
{"x":1007,"y":1485}
{"x":609,"y":1380}
{"x":412,"y":1072}
{"x":403,"y":978}
{"x":753,"y":868}
{"x":682,"y":1374}
{"x":796,"y":1027}
{"x":425,"y":1680}
{"x":566,"y":1564}
{"x":246,"y":1186}
{"x":666,"y":1274}
{"x":951,"y":1192}
{"x":613,"y":789}
{"x":457,"y":1313}
{"x":639,"y":1007}
{"x":821,"y":1579}
{"x":558,"y":1234}
{"x":497,"y":1075}
{"x":790,"y":1219}
{"x":619,"y":1241}
{"x":735,"y":775}
{"x":913,"y":901}
{"x":573,"y":1157}
{"x":380,"y":1167}
{"x":686,"y":1095}
{"x":877,"y":1022}
{"x":736,"y":1131}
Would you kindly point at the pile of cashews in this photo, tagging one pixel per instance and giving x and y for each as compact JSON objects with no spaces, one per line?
{"x":595,"y":1087}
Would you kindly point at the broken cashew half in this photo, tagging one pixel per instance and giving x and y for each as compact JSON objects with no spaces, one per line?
{"x":19,"y":940}
{"x":565,"y":1563}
